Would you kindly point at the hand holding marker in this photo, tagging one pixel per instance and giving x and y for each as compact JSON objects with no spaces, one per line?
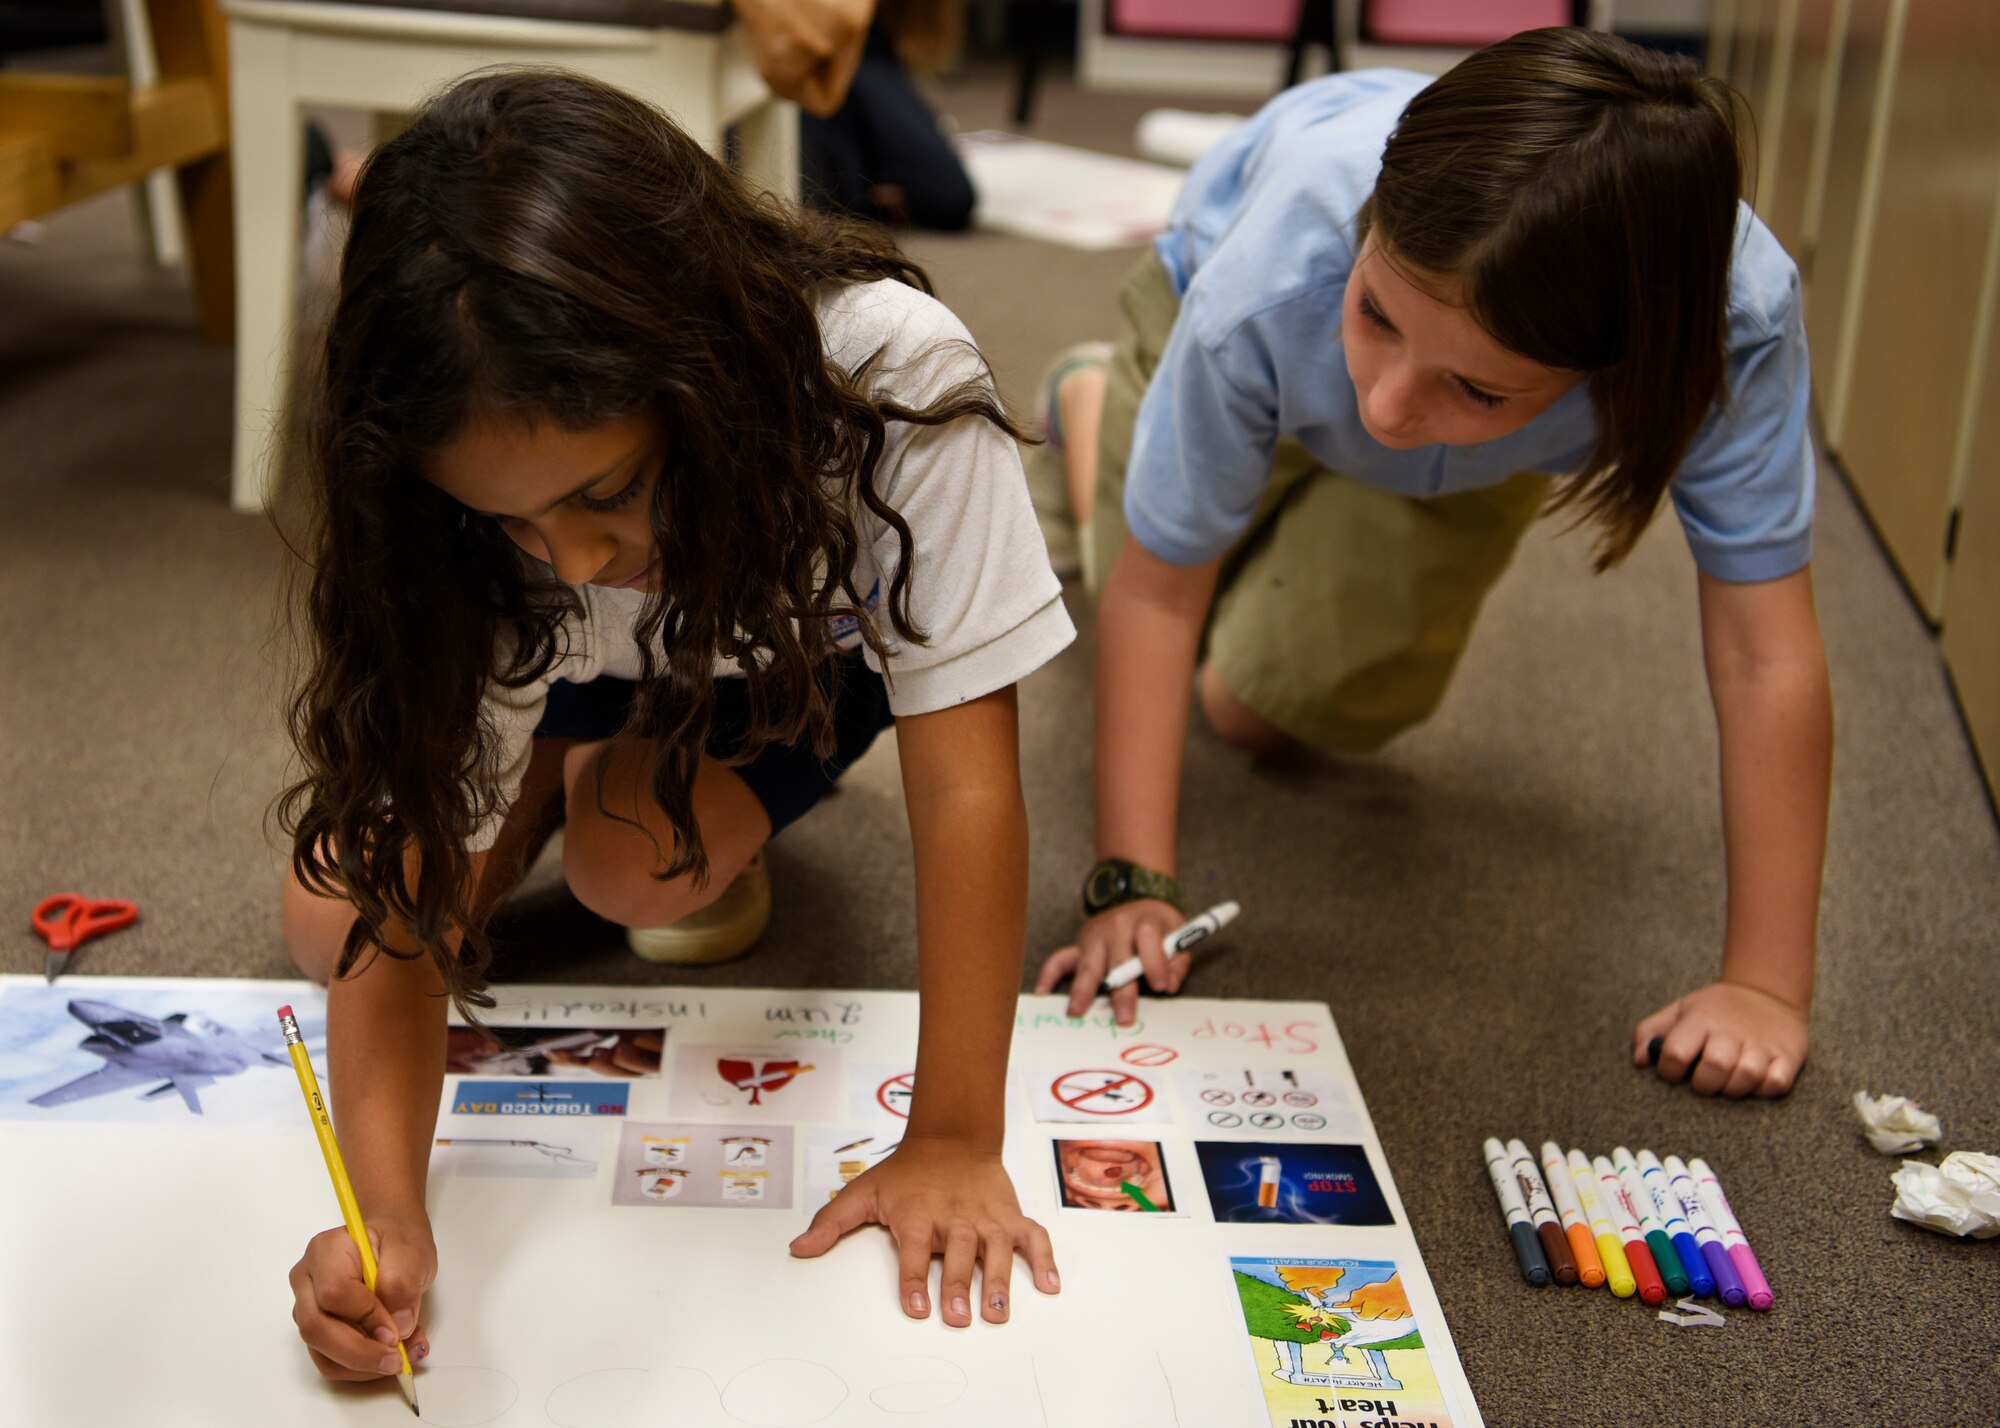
{"x":1181,"y":939}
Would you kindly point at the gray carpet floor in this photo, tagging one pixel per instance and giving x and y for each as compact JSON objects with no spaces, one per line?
{"x":1488,"y":905}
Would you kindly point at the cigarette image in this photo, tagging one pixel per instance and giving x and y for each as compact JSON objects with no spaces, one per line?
{"x":1267,"y":1181}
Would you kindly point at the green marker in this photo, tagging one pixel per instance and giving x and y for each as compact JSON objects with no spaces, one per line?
{"x":1669,"y":1263}
{"x":1138,"y":1196}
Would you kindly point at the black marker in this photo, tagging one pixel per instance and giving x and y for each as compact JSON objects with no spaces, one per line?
{"x":1653,"y":1056}
{"x":1521,"y":1229}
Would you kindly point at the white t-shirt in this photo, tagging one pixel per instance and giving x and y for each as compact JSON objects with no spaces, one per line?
{"x":981,"y":587}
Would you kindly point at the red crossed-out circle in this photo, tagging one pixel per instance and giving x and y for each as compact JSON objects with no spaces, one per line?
{"x":1074,"y":1096}
{"x":905,"y":1083}
{"x":1148,"y":1054}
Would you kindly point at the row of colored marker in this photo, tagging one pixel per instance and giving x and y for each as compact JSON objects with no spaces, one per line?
{"x":1639,"y":1224}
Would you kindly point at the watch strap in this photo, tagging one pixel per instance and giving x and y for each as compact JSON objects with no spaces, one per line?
{"x":1116,"y":881}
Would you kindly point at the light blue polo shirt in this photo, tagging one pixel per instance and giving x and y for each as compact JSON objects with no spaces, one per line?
{"x":1260,"y":247}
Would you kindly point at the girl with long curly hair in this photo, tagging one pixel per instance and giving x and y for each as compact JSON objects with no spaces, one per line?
{"x":641,"y":504}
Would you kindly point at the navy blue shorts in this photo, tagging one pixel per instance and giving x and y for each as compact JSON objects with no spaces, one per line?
{"x":786,"y":778}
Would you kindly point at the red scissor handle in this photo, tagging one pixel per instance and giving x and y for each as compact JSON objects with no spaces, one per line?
{"x":69,"y":918}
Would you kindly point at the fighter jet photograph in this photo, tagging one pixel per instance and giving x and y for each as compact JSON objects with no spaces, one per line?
{"x":169,"y":1050}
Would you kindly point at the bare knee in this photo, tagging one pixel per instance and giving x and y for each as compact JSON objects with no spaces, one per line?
{"x":315,"y":928}
{"x":612,"y":887}
{"x":611,"y":865}
{"x":1236,"y":722}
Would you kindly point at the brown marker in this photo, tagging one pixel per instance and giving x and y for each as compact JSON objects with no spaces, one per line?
{"x":1542,"y":1210}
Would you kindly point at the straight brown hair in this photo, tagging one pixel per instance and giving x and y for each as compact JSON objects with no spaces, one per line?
{"x":1579,"y":194}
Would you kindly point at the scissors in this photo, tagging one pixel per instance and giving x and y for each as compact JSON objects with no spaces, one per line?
{"x":68,"y":919}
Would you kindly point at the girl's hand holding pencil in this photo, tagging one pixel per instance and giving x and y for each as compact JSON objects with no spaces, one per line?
{"x":350,"y":1332}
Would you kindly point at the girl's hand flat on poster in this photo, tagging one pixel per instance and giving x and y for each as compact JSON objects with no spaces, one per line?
{"x":1748,"y":1042}
{"x":1108,"y":940}
{"x":945,"y":1197}
{"x":351,"y":1333}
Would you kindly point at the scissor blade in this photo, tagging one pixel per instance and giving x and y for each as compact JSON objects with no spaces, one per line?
{"x":52,"y":964}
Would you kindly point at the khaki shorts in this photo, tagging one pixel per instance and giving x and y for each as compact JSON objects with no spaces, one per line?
{"x":1342,"y":611}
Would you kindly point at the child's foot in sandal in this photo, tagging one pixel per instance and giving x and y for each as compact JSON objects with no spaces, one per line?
{"x":726,"y":928}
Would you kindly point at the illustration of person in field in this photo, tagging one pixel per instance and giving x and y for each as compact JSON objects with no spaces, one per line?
{"x":1308,"y":1305}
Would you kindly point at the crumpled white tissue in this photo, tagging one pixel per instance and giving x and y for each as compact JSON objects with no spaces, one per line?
{"x":1896,"y":1124}
{"x":1960,"y":1196}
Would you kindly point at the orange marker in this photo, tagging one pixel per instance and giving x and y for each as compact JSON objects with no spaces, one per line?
{"x":1617,"y":1269}
{"x":1562,"y":1190}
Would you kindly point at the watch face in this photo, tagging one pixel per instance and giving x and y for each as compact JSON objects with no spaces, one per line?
{"x":1105,"y":885}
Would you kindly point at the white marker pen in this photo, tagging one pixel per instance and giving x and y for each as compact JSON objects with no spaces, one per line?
{"x":1181,"y":939}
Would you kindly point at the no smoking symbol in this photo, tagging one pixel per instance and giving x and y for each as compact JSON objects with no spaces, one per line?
{"x":894,"y":1094}
{"x":1102,"y":1093}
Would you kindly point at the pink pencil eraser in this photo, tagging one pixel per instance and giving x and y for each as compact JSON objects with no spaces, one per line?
{"x":285,"y":1010}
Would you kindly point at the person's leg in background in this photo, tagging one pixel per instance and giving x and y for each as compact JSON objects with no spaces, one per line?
{"x":883,"y":155}
{"x":1340,"y":619}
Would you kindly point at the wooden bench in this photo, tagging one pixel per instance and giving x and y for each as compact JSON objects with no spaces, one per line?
{"x":66,"y":137}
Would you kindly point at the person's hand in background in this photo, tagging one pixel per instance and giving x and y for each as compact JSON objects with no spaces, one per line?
{"x":807,"y":50}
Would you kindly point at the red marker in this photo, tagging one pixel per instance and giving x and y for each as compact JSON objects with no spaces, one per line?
{"x":1652,"y":1289}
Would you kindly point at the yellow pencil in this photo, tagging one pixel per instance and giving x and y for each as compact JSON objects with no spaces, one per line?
{"x":343,"y":1189}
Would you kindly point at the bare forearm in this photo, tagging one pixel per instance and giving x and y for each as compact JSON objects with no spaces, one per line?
{"x":969,"y":832}
{"x":385,"y":1056}
{"x":1148,"y":638}
{"x":972,"y":898}
{"x":1776,"y":728}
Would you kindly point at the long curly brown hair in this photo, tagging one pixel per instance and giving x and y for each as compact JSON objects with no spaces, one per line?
{"x":543,"y":247}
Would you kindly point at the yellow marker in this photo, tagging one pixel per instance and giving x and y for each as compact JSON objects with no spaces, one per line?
{"x":1617,"y":1269}
{"x":343,"y":1189}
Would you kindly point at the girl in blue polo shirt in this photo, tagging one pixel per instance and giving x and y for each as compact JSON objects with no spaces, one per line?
{"x":1391,"y":322}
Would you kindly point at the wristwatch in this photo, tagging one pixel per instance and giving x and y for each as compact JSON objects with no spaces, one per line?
{"x":1116,"y":881}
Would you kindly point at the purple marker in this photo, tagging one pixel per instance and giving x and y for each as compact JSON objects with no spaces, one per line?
{"x":1727,"y":1283}
{"x":1716,"y":1205}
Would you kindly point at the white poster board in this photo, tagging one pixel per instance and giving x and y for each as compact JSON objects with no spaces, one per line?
{"x":613,"y":1247}
{"x":1058,"y":193}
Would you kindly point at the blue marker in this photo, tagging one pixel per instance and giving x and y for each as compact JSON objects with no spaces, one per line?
{"x":1667,"y":1205}
{"x":1728,"y":1283}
